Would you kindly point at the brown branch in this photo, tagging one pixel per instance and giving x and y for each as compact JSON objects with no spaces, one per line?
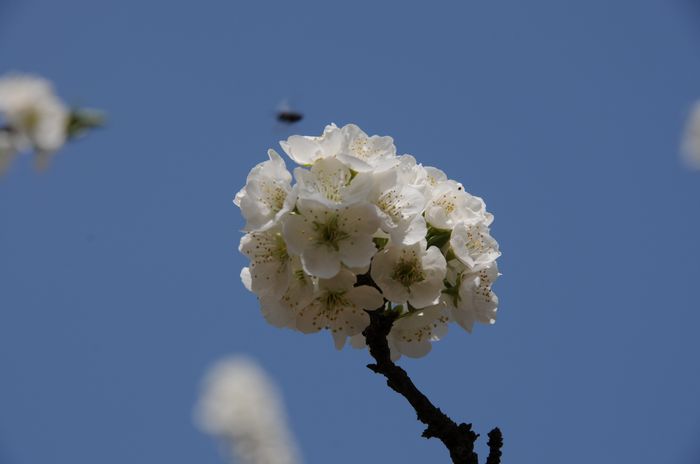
{"x":458,"y":439}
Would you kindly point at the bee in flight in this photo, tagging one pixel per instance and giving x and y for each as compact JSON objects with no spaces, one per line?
{"x":287,"y":115}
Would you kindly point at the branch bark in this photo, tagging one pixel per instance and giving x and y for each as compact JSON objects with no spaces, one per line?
{"x":458,"y":438}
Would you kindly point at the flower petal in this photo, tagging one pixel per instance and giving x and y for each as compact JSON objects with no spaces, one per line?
{"x":366,"y":297}
{"x":357,"y":251}
{"x":321,"y":261}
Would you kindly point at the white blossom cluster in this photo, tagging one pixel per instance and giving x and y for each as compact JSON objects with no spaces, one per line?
{"x":32,"y":117}
{"x":365,"y":229}
{"x":240,"y":405}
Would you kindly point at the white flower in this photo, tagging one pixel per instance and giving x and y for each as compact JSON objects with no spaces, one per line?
{"x":332,"y":182}
{"x":422,"y":177}
{"x":339,"y":306}
{"x":410,"y":274}
{"x":283,"y":311}
{"x":691,"y":139}
{"x":240,"y":405}
{"x":450,"y":205}
{"x":31,"y":108}
{"x":264,"y":198}
{"x":349,"y":144}
{"x":474,"y":300}
{"x":305,"y":149}
{"x":434,"y":176}
{"x":364,"y":153}
{"x":413,"y":333}
{"x":326,"y":236}
{"x":474,"y":246}
{"x":400,"y":207}
{"x":269,"y":261}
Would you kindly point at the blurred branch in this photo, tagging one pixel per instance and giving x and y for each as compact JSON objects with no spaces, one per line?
{"x":458,"y":438}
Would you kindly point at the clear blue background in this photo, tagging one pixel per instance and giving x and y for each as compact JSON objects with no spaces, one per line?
{"x":119,"y":270}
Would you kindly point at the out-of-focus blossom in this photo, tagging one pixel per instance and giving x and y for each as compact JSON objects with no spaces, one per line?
{"x":32,"y":117}
{"x":691,"y":139}
{"x":32,"y":110}
{"x":240,"y":405}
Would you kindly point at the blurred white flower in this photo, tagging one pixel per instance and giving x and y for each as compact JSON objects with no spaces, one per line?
{"x":31,"y":108}
{"x":32,"y":117}
{"x":240,"y":405}
{"x":691,"y":139}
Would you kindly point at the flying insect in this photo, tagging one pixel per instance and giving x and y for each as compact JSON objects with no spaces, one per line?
{"x":287,"y":115}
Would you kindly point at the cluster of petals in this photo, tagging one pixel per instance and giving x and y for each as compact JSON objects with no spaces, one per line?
{"x":353,"y":228}
{"x":241,"y":405}
{"x":32,"y":116}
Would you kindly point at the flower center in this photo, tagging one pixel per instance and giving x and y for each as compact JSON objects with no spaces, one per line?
{"x":331,"y":182}
{"x":330,"y":233}
{"x":274,"y":196}
{"x":334,"y":301}
{"x":300,"y":275}
{"x":407,"y":272}
{"x":475,"y":241}
{"x":360,"y":149}
{"x":389,"y":203}
{"x":279,"y":252}
{"x":447,"y":202}
{"x":484,"y":288}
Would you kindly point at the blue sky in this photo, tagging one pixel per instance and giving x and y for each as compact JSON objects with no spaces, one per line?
{"x":119,"y":269}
